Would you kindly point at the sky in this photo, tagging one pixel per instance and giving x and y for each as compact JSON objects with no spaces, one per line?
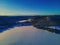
{"x":29,"y":7}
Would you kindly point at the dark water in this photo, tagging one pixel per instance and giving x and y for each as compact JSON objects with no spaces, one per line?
{"x":7,"y":22}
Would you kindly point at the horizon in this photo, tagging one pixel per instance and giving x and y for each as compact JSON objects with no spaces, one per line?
{"x":33,"y":15}
{"x":29,"y":7}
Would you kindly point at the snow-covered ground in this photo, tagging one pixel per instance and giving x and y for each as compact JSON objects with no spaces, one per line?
{"x":55,"y":27}
{"x":28,"y":35}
